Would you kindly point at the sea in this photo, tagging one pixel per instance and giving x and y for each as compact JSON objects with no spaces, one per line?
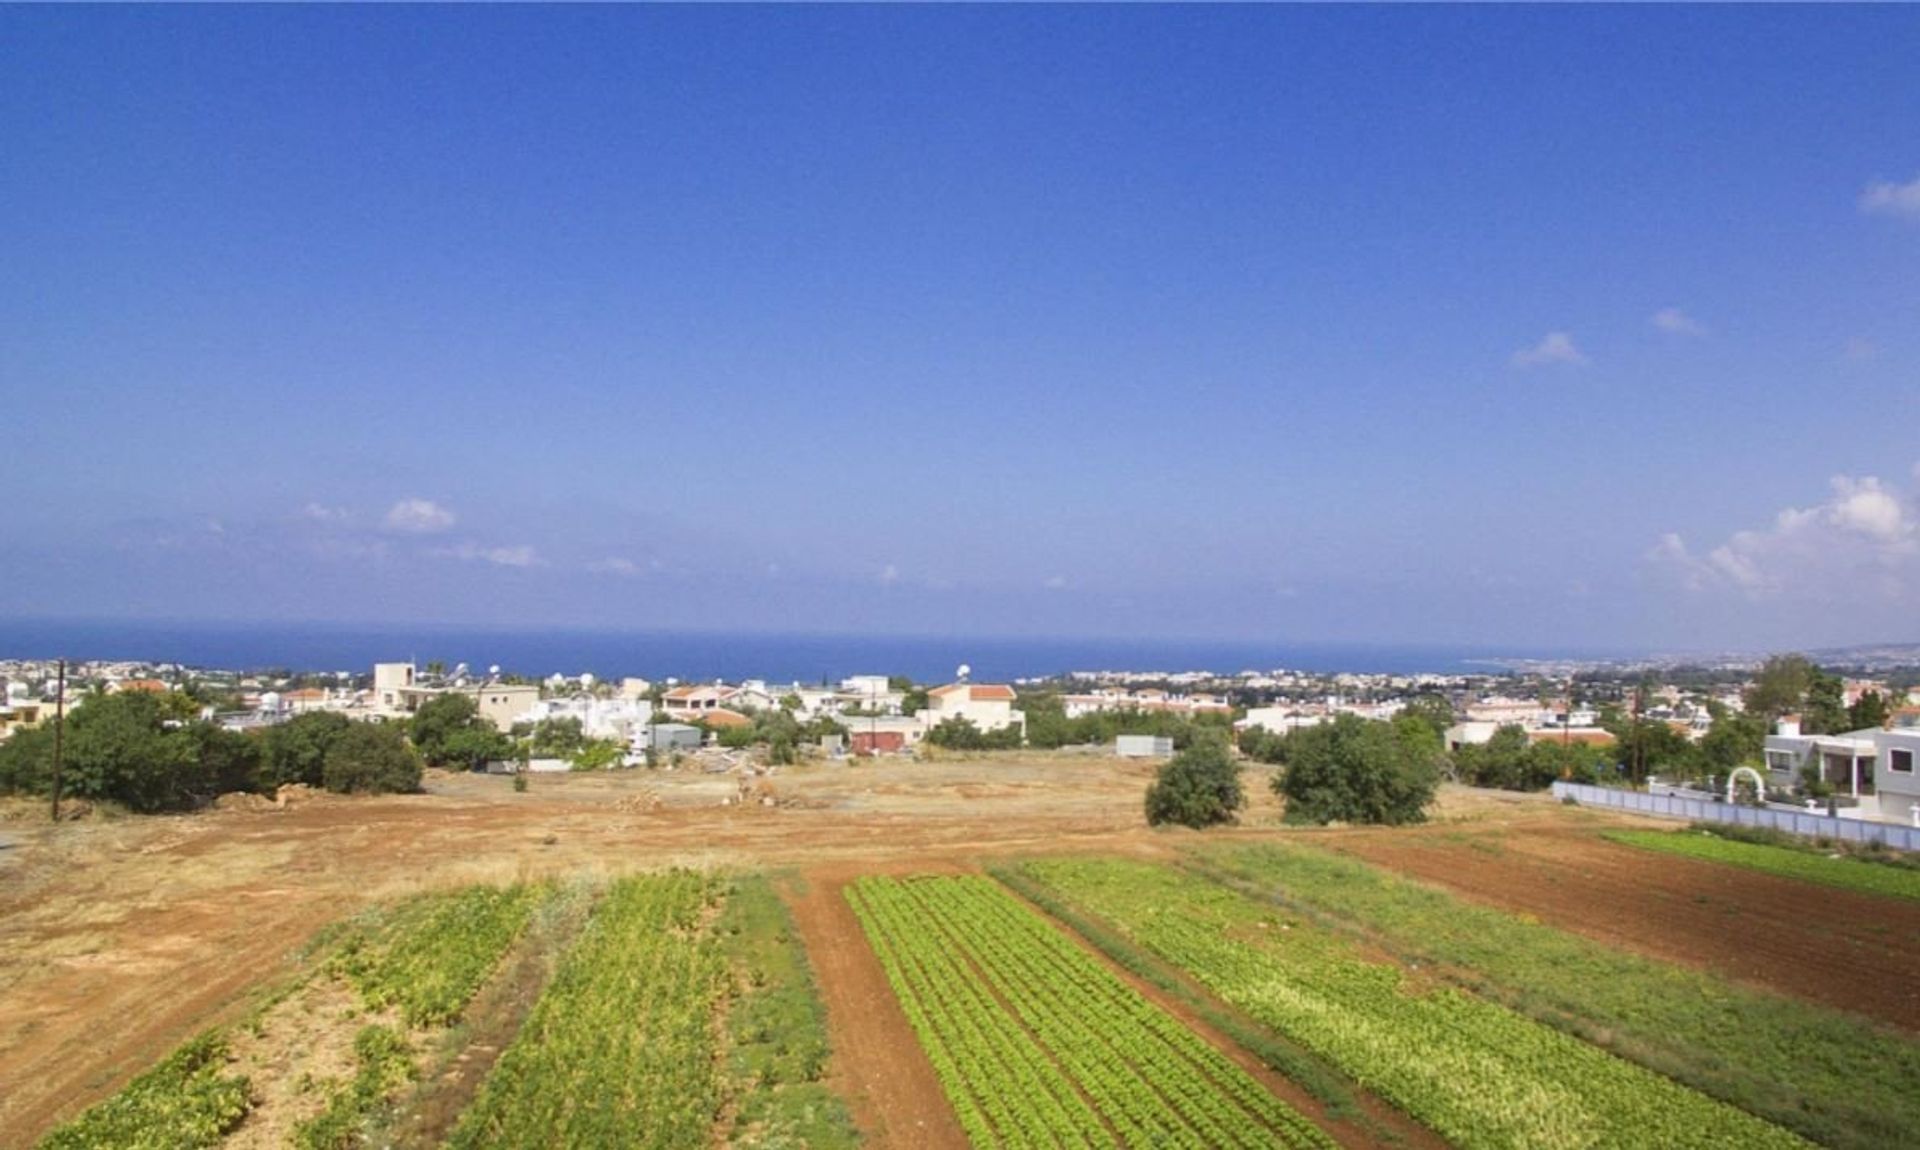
{"x":699,"y":656}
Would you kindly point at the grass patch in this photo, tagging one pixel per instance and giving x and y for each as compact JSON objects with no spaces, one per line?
{"x":776,"y":1032}
{"x":1807,"y":863}
{"x":185,"y":1101}
{"x":1832,"y":1077}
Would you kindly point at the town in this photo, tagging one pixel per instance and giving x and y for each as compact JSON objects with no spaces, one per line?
{"x":1843,"y":743}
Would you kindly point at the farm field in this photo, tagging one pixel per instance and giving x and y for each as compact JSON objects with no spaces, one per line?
{"x":1479,"y":1074}
{"x":1824,"y":944}
{"x":1845,"y":873}
{"x":1833,"y":1077}
{"x":316,"y":1062}
{"x":1038,"y":1045}
{"x":125,"y":942}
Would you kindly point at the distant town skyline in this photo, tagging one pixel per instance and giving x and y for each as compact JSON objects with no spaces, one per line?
{"x":1539,"y":328}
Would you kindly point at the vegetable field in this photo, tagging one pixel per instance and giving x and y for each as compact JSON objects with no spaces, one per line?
{"x":620,"y":1049}
{"x":1476,"y":1072}
{"x":420,"y":961}
{"x":1036,"y":1044}
{"x":1830,"y":1076}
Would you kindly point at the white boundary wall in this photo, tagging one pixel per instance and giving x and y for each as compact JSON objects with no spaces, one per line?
{"x":1706,"y":810}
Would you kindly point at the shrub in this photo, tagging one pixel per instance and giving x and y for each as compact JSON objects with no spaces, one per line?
{"x":1198,"y":787}
{"x":371,"y":758}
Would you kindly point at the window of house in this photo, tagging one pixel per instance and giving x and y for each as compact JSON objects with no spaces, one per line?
{"x":1900,"y":759}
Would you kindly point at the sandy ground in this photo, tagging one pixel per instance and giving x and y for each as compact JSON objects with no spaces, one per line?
{"x":119,"y":939}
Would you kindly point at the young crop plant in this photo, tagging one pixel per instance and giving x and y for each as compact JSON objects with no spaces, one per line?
{"x":1833,"y":1077}
{"x":187,"y":1101}
{"x":1787,"y":862}
{"x":1476,"y":1072}
{"x":384,"y":1065}
{"x":620,"y":1049}
{"x":1037,"y":1044}
{"x":422,"y":960}
{"x":776,"y":1031}
{"x":431,"y":955}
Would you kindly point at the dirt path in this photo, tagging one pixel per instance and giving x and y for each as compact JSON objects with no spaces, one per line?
{"x":1834,"y":947}
{"x":879,"y":1067}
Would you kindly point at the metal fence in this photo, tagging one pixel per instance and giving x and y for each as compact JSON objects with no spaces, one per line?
{"x":1707,"y":810}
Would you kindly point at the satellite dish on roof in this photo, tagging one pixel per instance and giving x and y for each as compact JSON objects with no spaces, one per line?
{"x":963,"y":672}
{"x":494,"y":670}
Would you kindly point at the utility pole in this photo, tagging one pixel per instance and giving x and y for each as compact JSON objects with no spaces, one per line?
{"x":59,"y":732}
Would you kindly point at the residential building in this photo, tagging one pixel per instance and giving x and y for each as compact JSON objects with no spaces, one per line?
{"x":397,"y":691}
{"x":988,"y":706}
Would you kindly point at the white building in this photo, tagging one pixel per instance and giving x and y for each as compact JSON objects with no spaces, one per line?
{"x":988,"y":706}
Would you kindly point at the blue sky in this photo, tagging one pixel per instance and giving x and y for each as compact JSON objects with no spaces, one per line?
{"x":1590,"y":327}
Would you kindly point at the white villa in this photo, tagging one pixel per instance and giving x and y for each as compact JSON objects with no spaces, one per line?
{"x":988,"y":706}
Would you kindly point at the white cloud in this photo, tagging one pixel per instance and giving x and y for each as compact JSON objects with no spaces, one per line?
{"x":1673,"y":321}
{"x":1554,"y":348}
{"x":418,"y":517}
{"x":1056,"y":583}
{"x":321,"y":513}
{"x":614,"y":565}
{"x":521,"y":556}
{"x":889,"y":575}
{"x":1884,"y":197}
{"x":1864,"y":538}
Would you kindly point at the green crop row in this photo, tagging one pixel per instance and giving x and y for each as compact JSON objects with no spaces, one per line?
{"x":431,"y":955}
{"x":1834,"y":1078}
{"x":1037,"y":1044}
{"x":620,"y":1049}
{"x":776,"y":1031}
{"x":427,"y":957}
{"x":1478,"y":1073}
{"x":1847,"y":873}
{"x":186,"y":1101}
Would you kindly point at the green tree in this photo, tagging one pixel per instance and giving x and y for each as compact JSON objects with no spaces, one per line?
{"x":1734,"y":740}
{"x":1199,"y":787}
{"x":1354,"y":770}
{"x":598,"y":755}
{"x":558,"y":738}
{"x":1648,"y":746}
{"x":1869,"y":710}
{"x":296,"y":750}
{"x":132,"y":749}
{"x":1780,"y":686}
{"x":913,"y":701}
{"x":1504,"y":761}
{"x":438,"y":720}
{"x":472,"y":748}
{"x":371,"y":758}
{"x":1435,"y":710}
{"x":1826,"y":709}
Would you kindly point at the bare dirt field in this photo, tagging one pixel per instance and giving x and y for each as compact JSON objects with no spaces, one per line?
{"x":121,"y":938}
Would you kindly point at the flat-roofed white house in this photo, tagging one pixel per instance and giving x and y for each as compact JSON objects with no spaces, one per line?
{"x":1845,"y":761}
{"x":988,"y":706}
{"x":397,"y":691}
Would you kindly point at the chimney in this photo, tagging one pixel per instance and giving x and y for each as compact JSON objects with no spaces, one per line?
{"x":1788,"y":726}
